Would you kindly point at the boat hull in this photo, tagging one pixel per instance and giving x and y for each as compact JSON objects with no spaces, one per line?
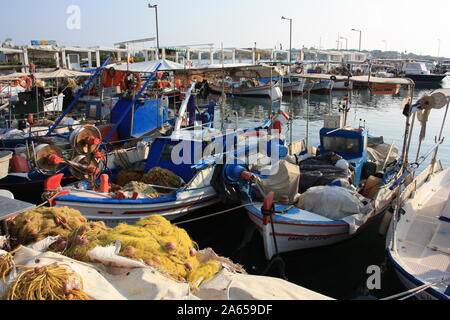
{"x":410,"y":282}
{"x":426,"y":79}
{"x":263,"y":91}
{"x":113,"y":212}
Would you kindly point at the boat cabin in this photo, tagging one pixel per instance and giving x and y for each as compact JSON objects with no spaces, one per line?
{"x":351,"y":144}
{"x":415,"y":68}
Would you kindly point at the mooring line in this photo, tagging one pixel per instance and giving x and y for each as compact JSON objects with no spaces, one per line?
{"x":214,"y":214}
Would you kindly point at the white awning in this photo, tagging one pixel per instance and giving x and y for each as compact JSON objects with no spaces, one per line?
{"x":148,"y":66}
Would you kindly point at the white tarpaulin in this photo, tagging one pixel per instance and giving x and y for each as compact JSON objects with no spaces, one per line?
{"x":333,"y":202}
{"x":103,"y":281}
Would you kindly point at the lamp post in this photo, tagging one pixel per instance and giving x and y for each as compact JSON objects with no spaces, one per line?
{"x":290,"y":37}
{"x":346,"y":42}
{"x":360,"y":33}
{"x":157,"y":29}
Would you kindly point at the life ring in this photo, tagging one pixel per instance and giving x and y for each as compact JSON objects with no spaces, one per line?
{"x":333,"y":78}
{"x":299,"y":70}
{"x":25,"y":82}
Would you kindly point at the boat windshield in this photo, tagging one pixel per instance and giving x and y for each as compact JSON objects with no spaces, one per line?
{"x":341,"y":144}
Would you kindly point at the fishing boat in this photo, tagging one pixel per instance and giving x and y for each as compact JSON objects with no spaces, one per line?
{"x":247,"y":88}
{"x":294,"y":85}
{"x":10,"y":206}
{"x":195,"y":191}
{"x":418,"y":241}
{"x":419,"y":73}
{"x":320,"y":197}
{"x":194,"y":175}
{"x":140,"y":118}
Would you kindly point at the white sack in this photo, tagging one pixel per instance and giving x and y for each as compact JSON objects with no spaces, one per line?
{"x":333,"y":202}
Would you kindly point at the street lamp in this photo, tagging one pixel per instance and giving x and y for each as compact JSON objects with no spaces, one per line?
{"x":346,"y":42}
{"x":290,"y":36}
{"x":360,"y":33}
{"x":157,"y":30}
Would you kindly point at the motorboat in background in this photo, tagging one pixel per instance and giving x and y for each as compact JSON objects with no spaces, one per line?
{"x":418,"y":241}
{"x":419,"y":73}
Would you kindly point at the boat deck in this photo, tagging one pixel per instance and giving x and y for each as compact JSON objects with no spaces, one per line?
{"x":424,"y":232}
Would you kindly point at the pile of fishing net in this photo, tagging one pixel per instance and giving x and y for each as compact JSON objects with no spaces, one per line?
{"x":162,"y":177}
{"x":142,"y":188}
{"x":38,"y":224}
{"x":152,"y":241}
{"x":156,"y":176}
{"x":124,"y":177}
{"x":151,"y":260}
{"x":53,"y":282}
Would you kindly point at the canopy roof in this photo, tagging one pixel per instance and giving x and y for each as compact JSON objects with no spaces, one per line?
{"x":60,"y":73}
{"x":237,"y":70}
{"x":148,"y":66}
{"x":13,"y":76}
{"x":234,"y":70}
{"x":365,"y":79}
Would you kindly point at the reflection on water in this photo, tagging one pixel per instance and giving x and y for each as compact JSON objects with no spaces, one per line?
{"x":339,"y":271}
{"x":381,"y":114}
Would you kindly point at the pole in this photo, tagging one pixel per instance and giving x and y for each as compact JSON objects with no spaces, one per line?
{"x":157,"y":30}
{"x":360,"y":35}
{"x":290,"y":41}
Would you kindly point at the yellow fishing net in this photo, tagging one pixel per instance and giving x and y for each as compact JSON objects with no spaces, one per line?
{"x":55,"y":282}
{"x":154,"y":241}
{"x":38,"y":224}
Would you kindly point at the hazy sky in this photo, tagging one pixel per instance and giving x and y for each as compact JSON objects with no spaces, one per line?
{"x":410,"y":25}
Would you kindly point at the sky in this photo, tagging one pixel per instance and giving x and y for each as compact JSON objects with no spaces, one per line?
{"x":399,"y":25}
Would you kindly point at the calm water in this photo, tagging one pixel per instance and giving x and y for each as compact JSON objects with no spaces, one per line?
{"x":338,"y":271}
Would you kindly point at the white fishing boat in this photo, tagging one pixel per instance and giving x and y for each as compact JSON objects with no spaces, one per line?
{"x":247,"y":88}
{"x":418,"y":241}
{"x":309,"y":201}
{"x":319,"y":85}
{"x":294,"y":85}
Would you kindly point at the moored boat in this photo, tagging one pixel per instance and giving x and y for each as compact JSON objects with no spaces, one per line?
{"x":418,"y":238}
